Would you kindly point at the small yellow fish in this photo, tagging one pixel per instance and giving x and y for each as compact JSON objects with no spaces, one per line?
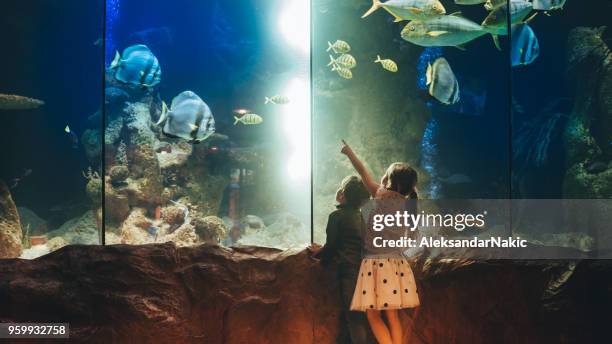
{"x":277,"y":100}
{"x":344,"y":60}
{"x":343,"y":72}
{"x":248,"y":119}
{"x":387,"y":64}
{"x":339,"y":47}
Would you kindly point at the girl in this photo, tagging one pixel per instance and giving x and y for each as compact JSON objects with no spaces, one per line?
{"x":385,"y":281}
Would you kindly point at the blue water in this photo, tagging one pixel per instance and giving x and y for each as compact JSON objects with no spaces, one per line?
{"x":50,"y":55}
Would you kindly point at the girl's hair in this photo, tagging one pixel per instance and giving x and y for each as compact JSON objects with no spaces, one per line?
{"x":401,"y":178}
{"x":355,"y":193}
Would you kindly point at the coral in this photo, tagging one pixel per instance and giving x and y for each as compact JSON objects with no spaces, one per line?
{"x":94,"y":186}
{"x":10,"y":226}
{"x":118,"y":174}
{"x":134,"y":228}
{"x":146,"y":190}
{"x":173,"y":215}
{"x":138,"y":123}
{"x":56,"y":243}
{"x":183,"y":236}
{"x":586,"y":137}
{"x":113,"y":130}
{"x":121,"y":154}
{"x":210,"y":229}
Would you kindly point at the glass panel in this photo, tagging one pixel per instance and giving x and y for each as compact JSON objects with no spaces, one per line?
{"x":208,"y":122}
{"x":457,"y":141}
{"x":562,"y":120}
{"x":50,"y":89}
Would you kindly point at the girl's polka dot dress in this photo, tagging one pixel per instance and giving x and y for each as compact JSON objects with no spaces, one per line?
{"x":385,"y":283}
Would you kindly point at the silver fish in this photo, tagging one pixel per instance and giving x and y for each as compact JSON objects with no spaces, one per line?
{"x":137,"y":66}
{"x":442,"y":31}
{"x":443,"y":84}
{"x":248,"y":119}
{"x":470,"y":2}
{"x":344,"y":61}
{"x":277,"y":100}
{"x":497,"y":21}
{"x":338,"y":47}
{"x":15,"y":102}
{"x":491,"y":4}
{"x":548,"y":5}
{"x":188,"y":118}
{"x":525,"y":46}
{"x":343,"y":72}
{"x":408,"y":9}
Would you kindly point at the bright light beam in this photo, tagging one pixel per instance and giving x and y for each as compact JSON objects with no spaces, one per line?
{"x":294,"y":24}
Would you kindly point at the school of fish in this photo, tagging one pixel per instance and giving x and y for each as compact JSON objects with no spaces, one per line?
{"x":430,"y":26}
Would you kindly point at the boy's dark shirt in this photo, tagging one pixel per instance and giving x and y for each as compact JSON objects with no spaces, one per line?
{"x":343,"y":243}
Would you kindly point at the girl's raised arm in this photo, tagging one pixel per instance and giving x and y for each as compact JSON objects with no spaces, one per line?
{"x":367,"y":179}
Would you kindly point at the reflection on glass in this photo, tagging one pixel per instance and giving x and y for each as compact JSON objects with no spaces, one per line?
{"x":50,"y":90}
{"x":208,"y":123}
{"x":436,"y":99}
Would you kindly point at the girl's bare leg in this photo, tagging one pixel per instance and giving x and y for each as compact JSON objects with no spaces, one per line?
{"x":395,"y":325}
{"x":379,"y":328}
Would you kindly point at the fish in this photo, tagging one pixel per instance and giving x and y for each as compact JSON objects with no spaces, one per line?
{"x":387,"y":64}
{"x":277,"y":100}
{"x":343,"y":72}
{"x":442,"y":31}
{"x":74,"y":138}
{"x":443,"y":84}
{"x":137,"y":66}
{"x":188,"y":118}
{"x":491,"y":4}
{"x":15,"y":102}
{"x":344,"y":61}
{"x":470,"y":2}
{"x":248,"y":119}
{"x":98,"y":42}
{"x":548,"y":5}
{"x":525,"y":46}
{"x":497,"y":21}
{"x":338,"y":47}
{"x":408,"y":9}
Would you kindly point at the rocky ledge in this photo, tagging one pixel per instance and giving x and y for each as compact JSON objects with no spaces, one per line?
{"x":208,"y":294}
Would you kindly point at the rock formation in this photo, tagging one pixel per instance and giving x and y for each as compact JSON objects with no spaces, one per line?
{"x":165,"y":294}
{"x":10,"y":227}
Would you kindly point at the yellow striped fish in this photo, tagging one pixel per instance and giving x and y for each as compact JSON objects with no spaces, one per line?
{"x":248,"y":119}
{"x":387,"y":64}
{"x":343,"y":72}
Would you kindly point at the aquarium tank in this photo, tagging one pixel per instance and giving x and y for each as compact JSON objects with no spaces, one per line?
{"x":50,"y":100}
{"x":207,"y":123}
{"x":221,"y":121}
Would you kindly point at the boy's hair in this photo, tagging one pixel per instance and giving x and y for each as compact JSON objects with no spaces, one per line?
{"x":355,"y":193}
{"x":402,"y":178}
